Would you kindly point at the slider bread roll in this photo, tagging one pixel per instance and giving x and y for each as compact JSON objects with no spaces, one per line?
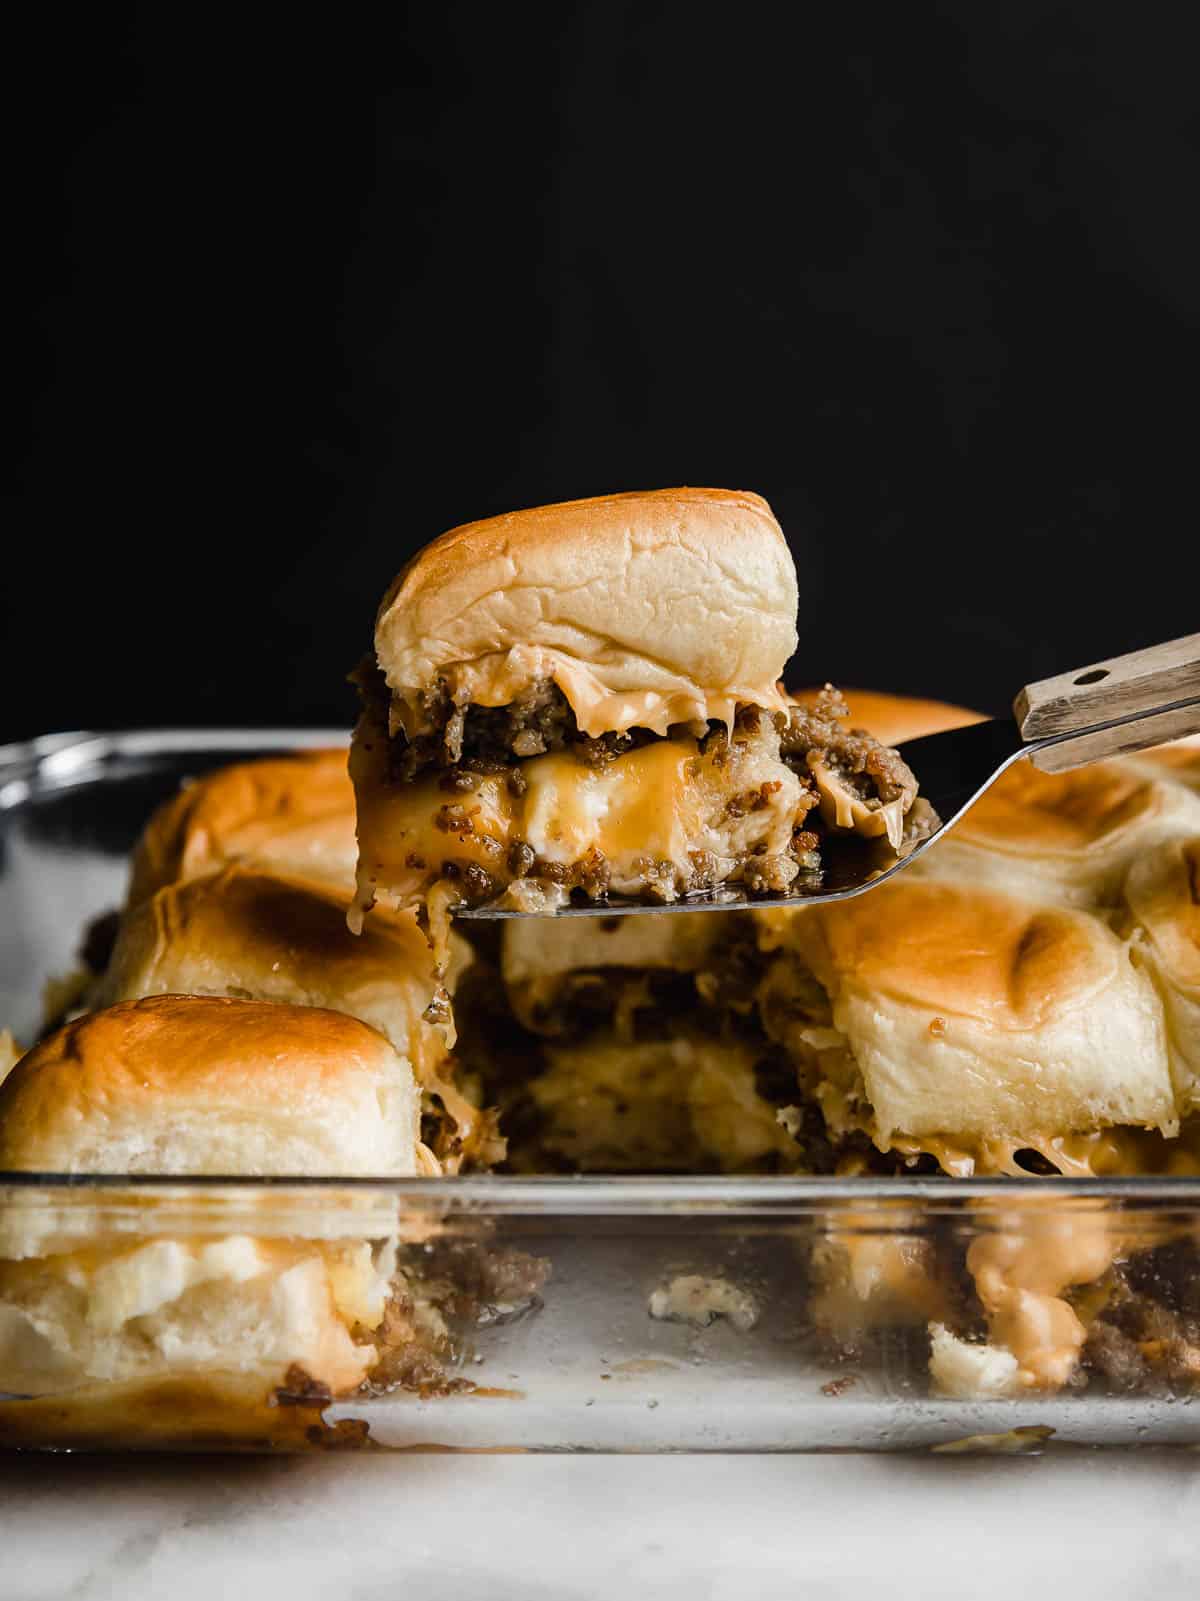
{"x":254,"y":936}
{"x":185,"y":1084}
{"x":1069,"y":837}
{"x":985,"y":1016}
{"x":584,"y":700}
{"x":1163,"y":895}
{"x":210,"y":1309}
{"x":289,"y":814}
{"x":646,"y":609}
{"x":179,"y":1084}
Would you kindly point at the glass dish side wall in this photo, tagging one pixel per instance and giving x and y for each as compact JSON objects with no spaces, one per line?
{"x":660,"y":1314}
{"x":611,"y":1315}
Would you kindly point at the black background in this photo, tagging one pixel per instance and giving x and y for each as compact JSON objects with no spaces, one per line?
{"x":290,"y":297}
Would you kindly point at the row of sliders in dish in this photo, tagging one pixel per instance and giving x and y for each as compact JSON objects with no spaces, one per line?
{"x":1027,"y":1001}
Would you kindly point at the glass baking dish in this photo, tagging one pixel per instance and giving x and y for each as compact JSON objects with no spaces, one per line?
{"x":591,"y":1314}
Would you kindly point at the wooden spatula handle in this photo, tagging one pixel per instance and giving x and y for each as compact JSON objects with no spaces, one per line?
{"x":1158,"y":729}
{"x":1122,"y":687}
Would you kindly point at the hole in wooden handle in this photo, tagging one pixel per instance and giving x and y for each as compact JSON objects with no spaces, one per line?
{"x":1094,"y":677}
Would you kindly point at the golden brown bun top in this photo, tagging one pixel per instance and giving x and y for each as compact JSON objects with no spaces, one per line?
{"x":293,"y":814}
{"x":1064,"y":812}
{"x":244,"y":932}
{"x":184,"y":1084}
{"x":894,"y":718}
{"x":242,"y":917}
{"x":958,"y":950}
{"x":661,"y":606}
{"x":1163,"y":893}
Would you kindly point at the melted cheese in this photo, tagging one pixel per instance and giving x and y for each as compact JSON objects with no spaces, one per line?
{"x":602,"y":696}
{"x":1022,"y":1266}
{"x":640,"y":805}
{"x":1029,"y":1256}
{"x":842,"y":808}
{"x":651,"y":806}
{"x":1104,"y":1153}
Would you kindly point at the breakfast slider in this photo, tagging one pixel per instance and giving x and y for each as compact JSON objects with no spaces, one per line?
{"x":584,"y":699}
{"x":974,"y":1024}
{"x":975,"y":1033}
{"x":189,"y":1085}
{"x":1022,"y":1001}
{"x":258,"y":936}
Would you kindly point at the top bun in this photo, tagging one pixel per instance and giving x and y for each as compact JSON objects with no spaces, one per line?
{"x":986,"y":1015}
{"x":258,"y":936}
{"x":287,"y":814}
{"x":646,"y":609}
{"x":191,"y":1084}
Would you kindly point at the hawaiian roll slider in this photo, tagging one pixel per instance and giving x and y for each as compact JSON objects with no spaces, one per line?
{"x":974,"y":1025}
{"x":994,"y":1035}
{"x":192,"y":1085}
{"x":584,"y":698}
{"x":256,"y":936}
{"x":292,"y":814}
{"x":288,"y":814}
{"x":201,"y":1085}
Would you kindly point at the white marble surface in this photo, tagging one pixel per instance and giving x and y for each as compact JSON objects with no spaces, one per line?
{"x":369,"y":1528}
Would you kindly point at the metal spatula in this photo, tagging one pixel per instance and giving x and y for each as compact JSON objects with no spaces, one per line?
{"x":1127,"y":704}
